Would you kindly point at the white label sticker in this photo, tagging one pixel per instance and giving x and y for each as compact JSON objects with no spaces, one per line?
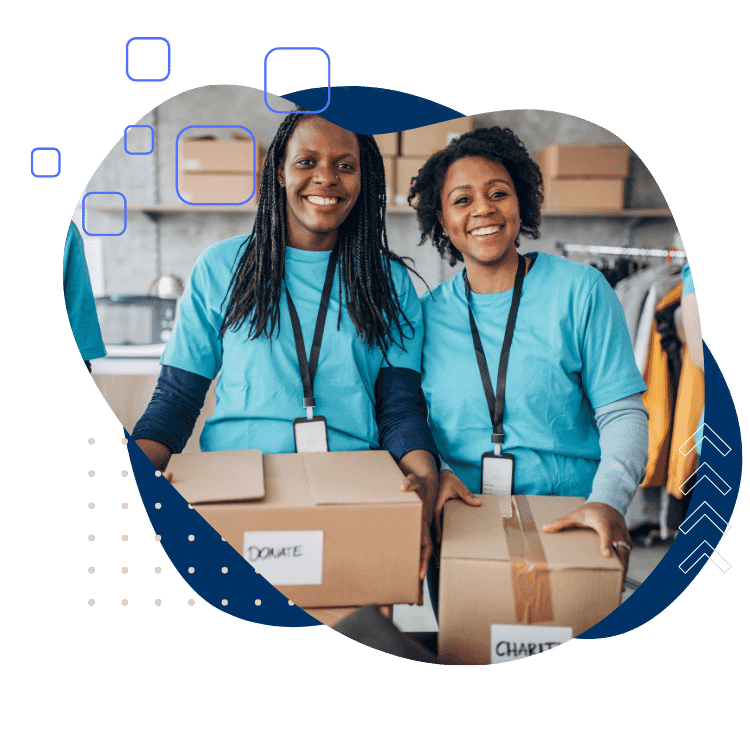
{"x":291,"y":558}
{"x":194,"y":164}
{"x":511,"y":642}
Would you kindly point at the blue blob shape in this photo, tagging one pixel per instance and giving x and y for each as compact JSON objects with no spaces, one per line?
{"x":46,"y":148}
{"x":323,"y":94}
{"x":147,"y":39}
{"x":175,"y":521}
{"x":667,"y":581}
{"x":139,"y":153}
{"x":370,"y":111}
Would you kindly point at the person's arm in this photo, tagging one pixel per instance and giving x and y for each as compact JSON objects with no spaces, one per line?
{"x":401,"y":416}
{"x":170,"y":417}
{"x":623,"y":439}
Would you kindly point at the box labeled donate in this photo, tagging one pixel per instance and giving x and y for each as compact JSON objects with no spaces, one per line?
{"x":498,"y":568}
{"x":332,"y":529}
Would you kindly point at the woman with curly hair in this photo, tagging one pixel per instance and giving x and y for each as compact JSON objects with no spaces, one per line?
{"x":564,"y":415}
{"x":311,"y":309}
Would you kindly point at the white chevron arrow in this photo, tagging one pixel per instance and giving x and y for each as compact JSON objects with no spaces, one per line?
{"x":704,"y":469}
{"x":696,"y":516}
{"x":690,"y":444}
{"x":704,"y":549}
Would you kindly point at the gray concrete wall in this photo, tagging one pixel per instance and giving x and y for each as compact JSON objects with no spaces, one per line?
{"x":131,"y":262}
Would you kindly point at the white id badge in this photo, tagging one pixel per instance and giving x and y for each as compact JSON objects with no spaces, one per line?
{"x":497,"y":474}
{"x":310,"y":435}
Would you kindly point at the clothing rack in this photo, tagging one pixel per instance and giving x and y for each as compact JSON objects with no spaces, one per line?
{"x":633,"y":252}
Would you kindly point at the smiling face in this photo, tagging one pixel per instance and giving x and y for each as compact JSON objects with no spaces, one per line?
{"x":321,"y":176}
{"x":480,"y":212}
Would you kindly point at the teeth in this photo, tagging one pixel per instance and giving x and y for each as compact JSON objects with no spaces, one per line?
{"x":485,"y":230}
{"x":318,"y":201}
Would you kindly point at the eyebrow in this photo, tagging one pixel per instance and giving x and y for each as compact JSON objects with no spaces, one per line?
{"x":313,"y":151}
{"x":489,"y":182}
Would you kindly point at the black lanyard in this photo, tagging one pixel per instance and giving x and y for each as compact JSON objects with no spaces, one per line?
{"x":307,"y":371}
{"x":496,"y":402}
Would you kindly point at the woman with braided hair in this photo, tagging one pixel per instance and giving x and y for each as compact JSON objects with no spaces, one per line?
{"x":527,"y":365}
{"x":311,"y":300}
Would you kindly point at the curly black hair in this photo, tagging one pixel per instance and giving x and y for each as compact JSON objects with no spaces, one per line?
{"x":364,"y":271}
{"x":497,"y":144}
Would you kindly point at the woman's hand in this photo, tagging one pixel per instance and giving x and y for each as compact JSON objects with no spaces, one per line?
{"x":427,"y":491}
{"x":421,"y":477}
{"x":606,"y":521}
{"x":451,"y":488}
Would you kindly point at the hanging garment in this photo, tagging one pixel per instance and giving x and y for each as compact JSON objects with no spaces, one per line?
{"x":687,"y":418}
{"x":666,"y":280}
{"x":659,"y":400}
{"x":633,"y":292}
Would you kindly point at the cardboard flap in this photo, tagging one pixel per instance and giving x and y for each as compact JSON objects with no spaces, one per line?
{"x":476,"y":533}
{"x":218,"y":476}
{"x":479,"y":533}
{"x":286,"y":480}
{"x":355,"y":478}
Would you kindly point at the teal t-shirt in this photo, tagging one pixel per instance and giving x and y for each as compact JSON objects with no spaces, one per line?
{"x":571,"y":353}
{"x":79,"y":298}
{"x":259,"y":392}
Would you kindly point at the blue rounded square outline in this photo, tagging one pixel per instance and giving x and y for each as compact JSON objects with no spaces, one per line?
{"x":103,"y":234}
{"x":46,"y":148}
{"x":149,"y":39}
{"x":177,"y":163}
{"x":265,"y":83}
{"x":139,"y":153}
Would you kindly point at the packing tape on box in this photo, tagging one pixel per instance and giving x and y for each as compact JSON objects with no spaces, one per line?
{"x":528,"y":565}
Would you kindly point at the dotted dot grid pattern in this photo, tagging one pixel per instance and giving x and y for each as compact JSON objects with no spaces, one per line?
{"x":238,"y":591}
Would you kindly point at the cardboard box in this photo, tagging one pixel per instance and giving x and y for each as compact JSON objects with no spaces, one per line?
{"x":333,"y":615}
{"x":202,"y":187}
{"x":406,"y":168}
{"x":233,"y":156}
{"x":497,"y":567}
{"x":562,"y":160}
{"x":333,"y":529}
{"x":387,"y":143}
{"x":582,"y":194}
{"x":432,"y":138}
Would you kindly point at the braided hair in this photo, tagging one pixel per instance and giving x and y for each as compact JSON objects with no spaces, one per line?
{"x":497,"y":144}
{"x":364,"y":270}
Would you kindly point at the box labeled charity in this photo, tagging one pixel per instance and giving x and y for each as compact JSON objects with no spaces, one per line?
{"x":497,"y":567}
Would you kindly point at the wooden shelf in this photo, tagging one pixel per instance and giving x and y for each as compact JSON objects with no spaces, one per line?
{"x":628,"y":213}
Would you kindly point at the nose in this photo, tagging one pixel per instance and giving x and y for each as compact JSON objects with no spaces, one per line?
{"x":483,"y":207}
{"x":325,"y":175}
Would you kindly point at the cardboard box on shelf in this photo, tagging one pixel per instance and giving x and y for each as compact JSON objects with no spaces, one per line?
{"x":432,"y":138}
{"x":406,"y":168}
{"x":582,"y":194}
{"x":205,"y":187}
{"x":566,"y":160}
{"x":333,"y":615}
{"x":332,"y":530}
{"x":219,"y":155}
{"x":387,"y":143}
{"x":497,"y":567}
